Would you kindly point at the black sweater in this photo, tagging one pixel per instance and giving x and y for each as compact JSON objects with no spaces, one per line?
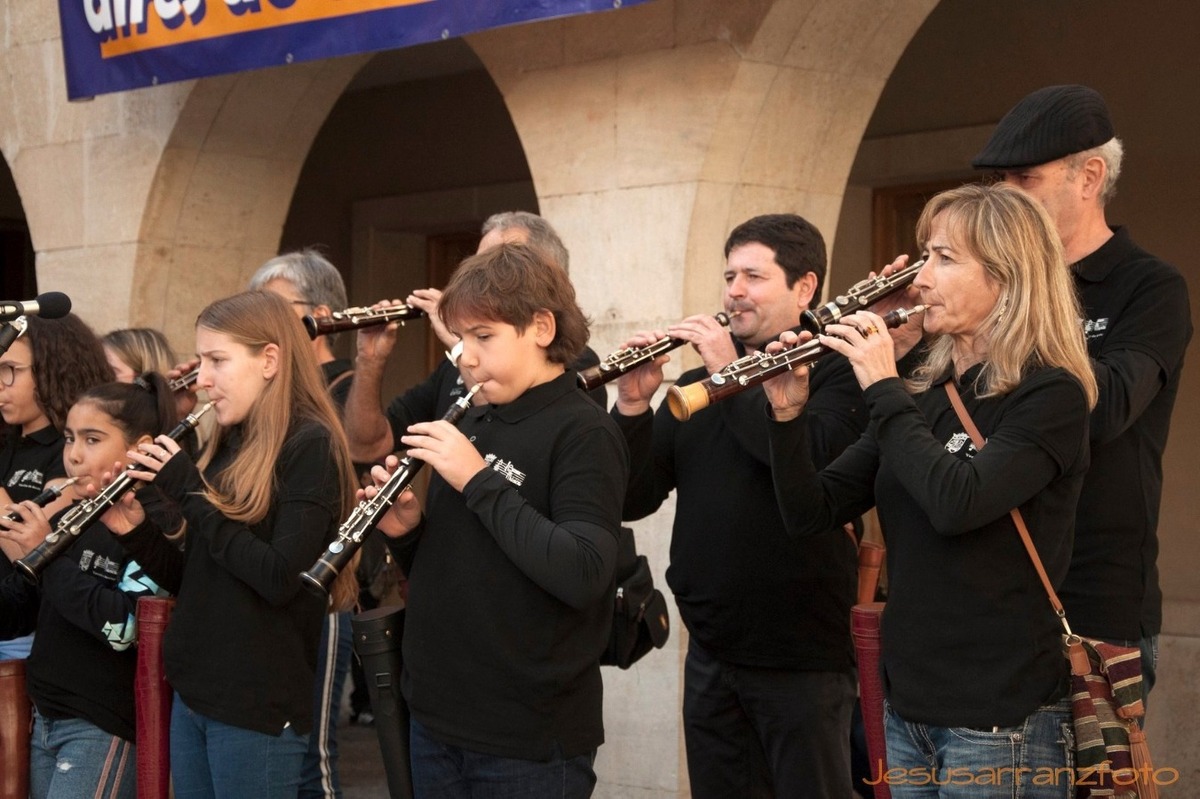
{"x":83,"y":657}
{"x":969,"y":638}
{"x":746,"y":591}
{"x":510,"y":581}
{"x":242,"y":644}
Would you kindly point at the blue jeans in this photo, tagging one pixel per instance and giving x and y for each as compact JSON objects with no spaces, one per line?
{"x":210,"y":759}
{"x":69,"y":758}
{"x":755,"y":732}
{"x":1033,"y":760}
{"x":450,"y":772}
{"x":319,"y":774}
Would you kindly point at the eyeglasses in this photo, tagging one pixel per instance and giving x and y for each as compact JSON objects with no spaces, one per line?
{"x":8,"y":373}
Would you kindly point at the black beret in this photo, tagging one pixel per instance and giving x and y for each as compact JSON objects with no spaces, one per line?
{"x":1049,"y":124}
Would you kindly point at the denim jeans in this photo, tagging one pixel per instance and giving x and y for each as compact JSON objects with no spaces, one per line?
{"x":1033,"y":760}
{"x":69,"y":758}
{"x":755,"y":732}
{"x":210,"y":759}
{"x":450,"y":772}
{"x":319,"y":774}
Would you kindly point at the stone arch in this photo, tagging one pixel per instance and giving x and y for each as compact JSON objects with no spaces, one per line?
{"x":223,"y":185}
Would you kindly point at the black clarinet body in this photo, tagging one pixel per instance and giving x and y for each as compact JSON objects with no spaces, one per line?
{"x":857,"y":297}
{"x":366,"y":515}
{"x":85,"y":514}
{"x":48,"y":495}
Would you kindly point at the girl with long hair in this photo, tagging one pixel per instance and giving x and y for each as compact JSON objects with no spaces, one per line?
{"x":262,"y":501}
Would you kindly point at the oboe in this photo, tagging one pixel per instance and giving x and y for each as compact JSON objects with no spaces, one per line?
{"x":685,"y":401}
{"x":82,"y":516}
{"x":353,"y":318}
{"x":48,"y":495}
{"x":184,"y":381}
{"x":857,"y":297}
{"x":354,"y":530}
{"x":623,"y":360}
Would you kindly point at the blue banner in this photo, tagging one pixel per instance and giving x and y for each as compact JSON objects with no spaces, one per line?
{"x":113,"y":45}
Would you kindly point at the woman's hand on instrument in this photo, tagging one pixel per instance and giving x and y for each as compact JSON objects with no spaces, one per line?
{"x":907,"y":335}
{"x":709,"y":338}
{"x":126,"y":513}
{"x":427,"y":300}
{"x":374,"y":343}
{"x":444,"y":447}
{"x":19,"y":536}
{"x":862,"y":338}
{"x":636,"y":387}
{"x":149,"y":457}
{"x":787,"y":392}
{"x":405,"y":512}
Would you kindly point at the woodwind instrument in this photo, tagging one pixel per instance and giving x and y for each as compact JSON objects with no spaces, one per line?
{"x":354,"y":530}
{"x":184,"y":381}
{"x":82,"y":516}
{"x":354,"y":318}
{"x":857,"y":297}
{"x":751,"y":370}
{"x":48,"y":495}
{"x":623,"y":360}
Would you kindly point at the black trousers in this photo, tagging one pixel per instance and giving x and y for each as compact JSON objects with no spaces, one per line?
{"x":753,"y":733}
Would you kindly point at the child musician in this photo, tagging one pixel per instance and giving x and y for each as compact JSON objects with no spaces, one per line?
{"x":265,"y":497}
{"x":510,"y":575}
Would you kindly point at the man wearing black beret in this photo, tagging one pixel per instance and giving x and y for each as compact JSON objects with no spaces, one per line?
{"x":1058,"y":144}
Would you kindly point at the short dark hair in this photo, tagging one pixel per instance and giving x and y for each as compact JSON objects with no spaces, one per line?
{"x":510,"y":283}
{"x":798,"y":245}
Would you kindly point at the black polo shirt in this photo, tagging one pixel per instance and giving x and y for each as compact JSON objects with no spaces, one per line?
{"x":26,"y":464}
{"x":510,"y":581}
{"x":1138,"y":324}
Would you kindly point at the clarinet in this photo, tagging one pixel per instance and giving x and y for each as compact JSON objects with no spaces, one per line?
{"x":353,"y":318}
{"x":621,"y":361}
{"x":354,"y":530}
{"x":857,"y":297}
{"x":82,"y":516}
{"x":48,"y":495}
{"x":685,"y":401}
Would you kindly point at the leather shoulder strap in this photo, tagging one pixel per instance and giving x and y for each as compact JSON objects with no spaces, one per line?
{"x":1018,"y":520}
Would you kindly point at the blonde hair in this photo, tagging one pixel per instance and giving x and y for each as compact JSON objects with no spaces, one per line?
{"x":1036,"y":320}
{"x":142,"y":349}
{"x":296,"y":392}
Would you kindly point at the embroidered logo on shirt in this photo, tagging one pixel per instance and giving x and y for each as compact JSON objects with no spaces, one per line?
{"x":1094,"y":328}
{"x":956,"y":443}
{"x":26,"y":478}
{"x":511,"y":473}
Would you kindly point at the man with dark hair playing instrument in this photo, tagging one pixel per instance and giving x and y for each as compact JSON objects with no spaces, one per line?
{"x":1058,"y":144}
{"x":768,"y":682}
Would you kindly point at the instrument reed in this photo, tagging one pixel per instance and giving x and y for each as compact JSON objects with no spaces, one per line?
{"x":354,"y":530}
{"x":685,"y":401}
{"x":82,"y":516}
{"x":354,"y":318}
{"x":624,"y":360}
{"x":857,"y":297}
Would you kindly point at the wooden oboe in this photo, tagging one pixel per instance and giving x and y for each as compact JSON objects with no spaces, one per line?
{"x":82,"y":516}
{"x":48,"y":495}
{"x":751,"y":370}
{"x":623,"y":360}
{"x":857,"y":297}
{"x":354,"y":318}
{"x":354,"y":530}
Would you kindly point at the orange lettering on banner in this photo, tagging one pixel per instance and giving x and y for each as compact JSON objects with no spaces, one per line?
{"x":220,"y":20}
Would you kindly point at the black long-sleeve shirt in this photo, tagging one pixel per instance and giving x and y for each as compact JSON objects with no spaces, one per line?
{"x":242,"y":644}
{"x":510,"y":581}
{"x":83,"y":658}
{"x":969,"y":637}
{"x":746,"y":591}
{"x":1138,"y":327}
